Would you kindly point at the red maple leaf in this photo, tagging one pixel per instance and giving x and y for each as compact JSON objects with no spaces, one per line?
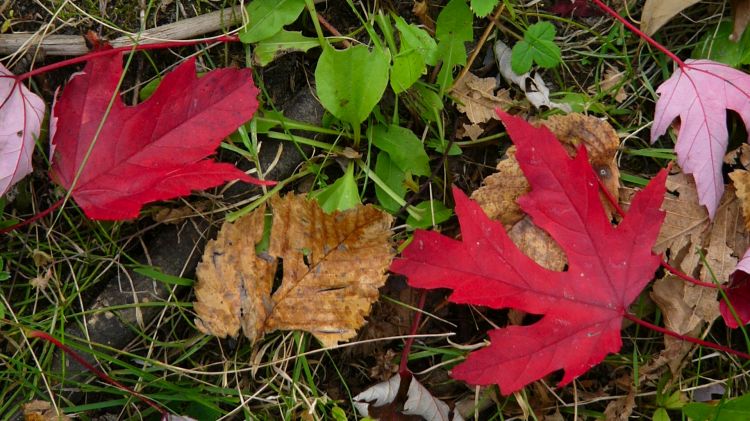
{"x":116,"y":161}
{"x":582,"y":307}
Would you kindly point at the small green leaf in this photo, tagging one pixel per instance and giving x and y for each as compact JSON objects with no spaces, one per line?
{"x":455,"y":22}
{"x":483,"y":8}
{"x":425,"y":101}
{"x":267,"y":17}
{"x":440,"y":144}
{"x":675,"y":401}
{"x":453,"y":29}
{"x":404,"y":148}
{"x":281,"y":43}
{"x":407,"y":68}
{"x":433,"y":212}
{"x":453,"y":53}
{"x":538,"y":46}
{"x":338,"y":414}
{"x":729,"y":410}
{"x":660,"y":415}
{"x":393,"y":177}
{"x":341,"y":195}
{"x":416,"y":38}
{"x":351,"y":82}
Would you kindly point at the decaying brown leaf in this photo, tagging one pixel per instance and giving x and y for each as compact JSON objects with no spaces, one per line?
{"x":42,"y":411}
{"x":687,"y":229}
{"x":332,"y":265}
{"x":612,"y":78}
{"x":658,"y":12}
{"x":477,"y":99}
{"x":741,"y":180}
{"x":688,"y":308}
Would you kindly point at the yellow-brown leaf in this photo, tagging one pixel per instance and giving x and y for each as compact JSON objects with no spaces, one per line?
{"x":332,"y":265}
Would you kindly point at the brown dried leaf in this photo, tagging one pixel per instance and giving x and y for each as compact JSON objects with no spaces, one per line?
{"x":477,"y":98}
{"x":658,"y":12}
{"x":687,"y":228}
{"x":333,"y":266}
{"x":612,"y":78}
{"x":42,"y":411}
{"x":741,"y":180}
{"x":472,"y":131}
{"x":687,"y":308}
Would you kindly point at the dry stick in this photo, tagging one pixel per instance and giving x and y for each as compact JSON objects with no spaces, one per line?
{"x":481,"y":42}
{"x":49,"y":338}
{"x":332,"y":29}
{"x":74,"y":45}
{"x":140,"y":47}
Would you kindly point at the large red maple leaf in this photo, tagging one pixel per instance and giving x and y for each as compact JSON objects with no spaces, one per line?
{"x":116,"y":160}
{"x":582,"y":307}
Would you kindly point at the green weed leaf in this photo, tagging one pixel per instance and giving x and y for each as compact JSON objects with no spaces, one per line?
{"x":341,"y":195}
{"x":538,"y":46}
{"x":393,"y":177}
{"x":453,"y":29}
{"x":415,"y":38}
{"x":404,"y":148}
{"x":267,"y":17}
{"x":483,"y":8}
{"x":729,"y":410}
{"x":408,"y":67}
{"x":716,"y":46}
{"x":433,"y":212}
{"x":351,"y":82}
{"x":282,"y":42}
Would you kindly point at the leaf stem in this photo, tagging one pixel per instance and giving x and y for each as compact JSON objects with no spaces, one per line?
{"x":49,"y":338}
{"x":140,"y":47}
{"x":34,"y":218}
{"x":640,"y":33}
{"x":685,"y":338}
{"x":402,"y":367}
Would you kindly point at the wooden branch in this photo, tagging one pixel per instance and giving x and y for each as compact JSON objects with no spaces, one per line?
{"x":74,"y":45}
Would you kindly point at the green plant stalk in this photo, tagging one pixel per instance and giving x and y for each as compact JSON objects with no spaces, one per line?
{"x":306,"y":141}
{"x":318,"y":30}
{"x":299,"y":125}
{"x":233,"y":216}
{"x":377,"y":180}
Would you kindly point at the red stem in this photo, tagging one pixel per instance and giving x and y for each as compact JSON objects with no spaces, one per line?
{"x":47,"y":337}
{"x":686,"y":277}
{"x":140,"y":47}
{"x":686,"y":338}
{"x":34,"y":218}
{"x":402,"y":369}
{"x":640,"y":33}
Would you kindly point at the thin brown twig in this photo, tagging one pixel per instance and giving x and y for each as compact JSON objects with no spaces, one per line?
{"x":332,"y":29}
{"x":481,"y":42}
